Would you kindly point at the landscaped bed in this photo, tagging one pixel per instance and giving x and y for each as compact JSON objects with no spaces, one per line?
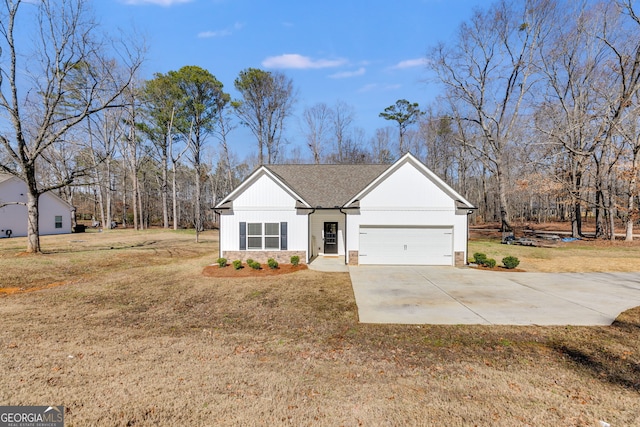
{"x":264,"y":270}
{"x":136,"y":335}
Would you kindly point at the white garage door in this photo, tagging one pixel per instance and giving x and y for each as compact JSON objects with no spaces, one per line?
{"x":406,"y":245}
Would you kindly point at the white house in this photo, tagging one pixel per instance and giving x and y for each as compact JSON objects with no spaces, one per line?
{"x":55,"y":213}
{"x":368,"y":214}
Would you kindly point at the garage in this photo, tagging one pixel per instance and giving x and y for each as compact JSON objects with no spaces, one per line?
{"x":406,"y":245}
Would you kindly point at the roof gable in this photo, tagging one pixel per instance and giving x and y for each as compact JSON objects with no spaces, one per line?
{"x":262,"y":171}
{"x":409,"y":158}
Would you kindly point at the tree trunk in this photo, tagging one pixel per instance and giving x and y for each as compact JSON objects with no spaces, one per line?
{"x":165,"y":190}
{"x":505,"y":223}
{"x":198,"y":219}
{"x":174,"y":194}
{"x":33,"y":230}
{"x":632,"y":212}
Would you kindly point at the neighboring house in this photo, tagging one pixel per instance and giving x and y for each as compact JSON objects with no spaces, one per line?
{"x":370,"y":214}
{"x":55,"y":213}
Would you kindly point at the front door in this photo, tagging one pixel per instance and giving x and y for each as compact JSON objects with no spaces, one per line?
{"x":330,"y":237}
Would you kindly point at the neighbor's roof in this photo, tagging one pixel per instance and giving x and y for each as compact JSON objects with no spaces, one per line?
{"x":5,"y":176}
{"x":327,"y":186}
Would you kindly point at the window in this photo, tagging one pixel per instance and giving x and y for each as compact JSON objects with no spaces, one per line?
{"x":58,"y":221}
{"x":272,"y":235}
{"x":254,"y":235}
{"x":264,"y":236}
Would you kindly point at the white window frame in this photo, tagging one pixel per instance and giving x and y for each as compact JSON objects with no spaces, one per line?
{"x":263,"y":236}
{"x":57,"y":224}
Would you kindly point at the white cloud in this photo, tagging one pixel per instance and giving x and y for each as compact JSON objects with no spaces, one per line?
{"x":164,"y":3}
{"x":378,"y":87}
{"x":220,"y":33}
{"x":209,"y":34}
{"x":411,"y":63}
{"x":293,"y":60}
{"x":346,"y":74}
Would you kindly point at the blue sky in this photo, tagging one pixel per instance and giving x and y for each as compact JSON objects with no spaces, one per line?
{"x":366,"y":53}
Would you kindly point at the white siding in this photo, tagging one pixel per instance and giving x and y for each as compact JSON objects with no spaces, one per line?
{"x":407,"y":188}
{"x":264,"y":201}
{"x":264,"y":194}
{"x":14,"y":217}
{"x":408,"y":198}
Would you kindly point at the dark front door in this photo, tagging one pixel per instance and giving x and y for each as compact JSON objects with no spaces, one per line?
{"x":330,"y":237}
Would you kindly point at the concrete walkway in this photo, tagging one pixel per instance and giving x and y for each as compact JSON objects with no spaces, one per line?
{"x":448,"y":295}
{"x":330,"y":264}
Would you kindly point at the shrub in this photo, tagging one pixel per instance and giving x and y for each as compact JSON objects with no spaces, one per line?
{"x":237,"y":264}
{"x":479,"y":258}
{"x":295,"y":260}
{"x":272,"y":263}
{"x":222,"y":262}
{"x":249,"y":261}
{"x":510,"y":262}
{"x":490,"y":262}
{"x":255,"y":265}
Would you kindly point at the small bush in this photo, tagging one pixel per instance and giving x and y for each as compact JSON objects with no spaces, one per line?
{"x":249,"y":261}
{"x":222,"y":262}
{"x":237,"y":264}
{"x":490,"y":262}
{"x":295,"y":260}
{"x":255,"y":265}
{"x":510,"y":262}
{"x":272,"y":263}
{"x":479,"y":258}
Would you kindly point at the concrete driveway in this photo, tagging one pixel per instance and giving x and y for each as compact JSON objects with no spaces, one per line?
{"x":448,"y":295}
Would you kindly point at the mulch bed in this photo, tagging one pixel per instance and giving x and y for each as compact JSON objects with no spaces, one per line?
{"x":215,"y":271}
{"x":497,"y":268}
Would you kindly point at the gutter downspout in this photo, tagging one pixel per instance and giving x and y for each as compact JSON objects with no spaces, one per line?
{"x":309,"y":248}
{"x":219,"y":212}
{"x":346,"y":247}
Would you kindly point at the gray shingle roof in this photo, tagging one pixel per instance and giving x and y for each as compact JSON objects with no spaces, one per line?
{"x":327,"y":186}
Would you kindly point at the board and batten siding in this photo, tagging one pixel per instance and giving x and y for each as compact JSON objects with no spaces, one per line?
{"x":408,"y":198}
{"x":264,"y":201}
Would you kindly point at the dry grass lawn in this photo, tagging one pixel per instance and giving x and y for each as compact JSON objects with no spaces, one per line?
{"x":134,"y":335}
{"x":573,"y":257}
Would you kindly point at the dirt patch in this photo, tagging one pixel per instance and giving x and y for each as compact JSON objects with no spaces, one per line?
{"x":215,"y":271}
{"x":16,"y":290}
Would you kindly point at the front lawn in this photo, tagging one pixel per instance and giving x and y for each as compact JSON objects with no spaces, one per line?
{"x":132,"y":333}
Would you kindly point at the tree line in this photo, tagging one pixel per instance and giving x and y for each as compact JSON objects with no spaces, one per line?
{"x":537,"y":119}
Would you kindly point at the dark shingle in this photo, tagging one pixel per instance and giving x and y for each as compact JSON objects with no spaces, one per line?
{"x":327,"y":186}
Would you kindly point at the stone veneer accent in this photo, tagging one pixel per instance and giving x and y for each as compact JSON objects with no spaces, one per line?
{"x":283,"y":257}
{"x":459,"y":259}
{"x":353,"y":257}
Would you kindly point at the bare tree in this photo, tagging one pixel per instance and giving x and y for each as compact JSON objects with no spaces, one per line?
{"x":317,"y":121}
{"x":38,"y":111}
{"x":342,"y":119}
{"x":488,"y":71}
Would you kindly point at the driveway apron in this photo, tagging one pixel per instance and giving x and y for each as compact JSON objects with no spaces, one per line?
{"x":448,"y":295}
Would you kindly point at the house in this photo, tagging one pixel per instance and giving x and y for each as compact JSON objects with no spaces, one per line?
{"x":368,"y":214}
{"x":55,"y":213}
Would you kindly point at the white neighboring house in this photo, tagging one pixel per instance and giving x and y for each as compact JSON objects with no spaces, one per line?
{"x":55,"y":213}
{"x":402,"y":214}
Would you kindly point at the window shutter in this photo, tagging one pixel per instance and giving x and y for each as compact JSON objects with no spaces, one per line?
{"x":283,"y":236}
{"x":243,"y":236}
